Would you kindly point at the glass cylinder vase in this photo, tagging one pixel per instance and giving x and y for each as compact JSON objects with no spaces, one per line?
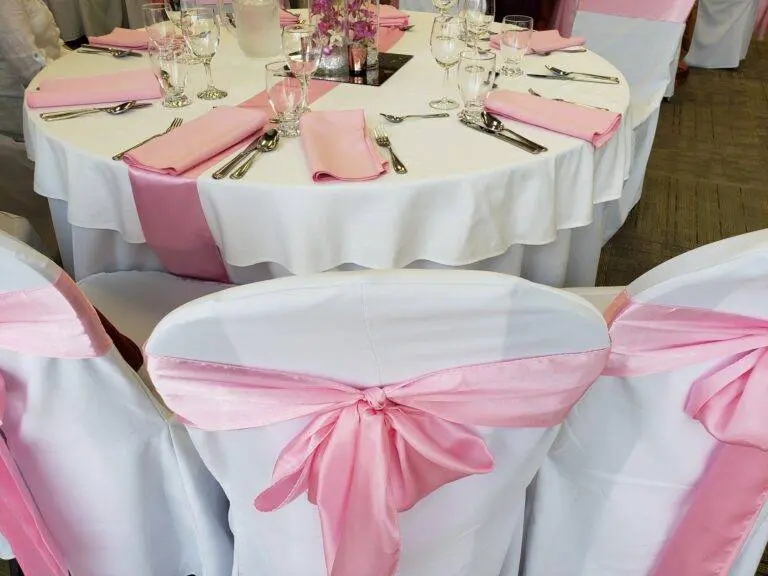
{"x":330,"y":18}
{"x":363,"y":27}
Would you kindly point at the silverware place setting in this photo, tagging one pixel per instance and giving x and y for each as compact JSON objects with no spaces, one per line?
{"x":493,"y":123}
{"x":104,"y":50}
{"x":398,"y":119}
{"x":382,"y":139}
{"x":483,"y":129}
{"x":175,"y":124}
{"x":577,"y":50}
{"x":267,"y":142}
{"x":533,"y":92}
{"x":570,"y":79}
{"x":567,"y":74}
{"x":115,"y":110}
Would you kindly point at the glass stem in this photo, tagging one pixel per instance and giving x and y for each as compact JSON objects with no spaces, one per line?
{"x":446,"y":82}
{"x":304,"y":92}
{"x":208,"y":73}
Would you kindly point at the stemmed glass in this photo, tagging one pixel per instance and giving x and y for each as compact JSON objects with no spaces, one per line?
{"x":285,"y":97}
{"x":443,"y":6}
{"x":200,"y":28}
{"x":478,"y":15}
{"x":302,"y":48}
{"x":175,"y":8}
{"x":516,"y":34}
{"x":168,"y":55}
{"x":447,"y":45}
{"x":477,"y":72}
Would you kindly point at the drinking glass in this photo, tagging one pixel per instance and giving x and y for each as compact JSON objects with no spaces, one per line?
{"x":516,"y":34}
{"x":477,"y":72}
{"x":443,"y":6}
{"x":168,"y":55}
{"x":200,"y":28}
{"x":447,"y":45}
{"x":285,"y":97}
{"x":302,"y":48}
{"x":478,"y":15}
{"x":175,"y":8}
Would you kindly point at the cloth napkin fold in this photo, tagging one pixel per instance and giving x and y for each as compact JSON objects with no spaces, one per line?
{"x":195,"y":142}
{"x":595,"y":126}
{"x":338,"y":146}
{"x":122,"y":38}
{"x":99,"y":89}
{"x":544,"y":41}
{"x":391,"y":17}
{"x":287,"y":19}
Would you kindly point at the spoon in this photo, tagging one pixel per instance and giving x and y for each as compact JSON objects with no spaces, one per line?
{"x":534,"y":93}
{"x":561,"y":72}
{"x":397,"y":119}
{"x":266,"y":143}
{"x":113,"y":110}
{"x":492,"y":123}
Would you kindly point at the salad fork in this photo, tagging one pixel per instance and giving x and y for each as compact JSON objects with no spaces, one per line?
{"x":382,"y":139}
{"x":175,"y":124}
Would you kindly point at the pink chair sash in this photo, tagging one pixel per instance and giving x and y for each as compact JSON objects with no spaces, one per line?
{"x":58,"y":322}
{"x":664,"y":10}
{"x":419,"y":429}
{"x":564,"y":17}
{"x":761,"y":19}
{"x":730,"y":401}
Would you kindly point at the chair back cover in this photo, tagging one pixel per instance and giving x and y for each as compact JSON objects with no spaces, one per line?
{"x":662,"y":469}
{"x":229,"y":361}
{"x":120,"y":488}
{"x":564,"y":16}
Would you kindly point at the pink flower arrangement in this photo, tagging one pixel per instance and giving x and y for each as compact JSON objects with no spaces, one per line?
{"x":361,"y":21}
{"x":355,"y":19}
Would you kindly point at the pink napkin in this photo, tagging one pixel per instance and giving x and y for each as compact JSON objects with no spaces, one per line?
{"x":195,"y":142}
{"x":544,"y":41}
{"x":122,"y":38}
{"x":100,"y":89}
{"x":287,"y":19}
{"x":338,"y":146}
{"x":391,"y":17}
{"x":595,"y":126}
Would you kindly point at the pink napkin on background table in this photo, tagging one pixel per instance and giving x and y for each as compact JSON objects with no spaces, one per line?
{"x":287,"y":19}
{"x":99,"y":89}
{"x":391,"y":17}
{"x":122,"y":38}
{"x":338,"y":146}
{"x":195,"y":142}
{"x":544,"y":41}
{"x":595,"y":126}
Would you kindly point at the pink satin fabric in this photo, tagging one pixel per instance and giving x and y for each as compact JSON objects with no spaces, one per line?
{"x":122,"y":38}
{"x":54,"y":321}
{"x":761,"y":19}
{"x":100,"y":89}
{"x":594,"y":126}
{"x":370,"y":453}
{"x":350,"y":155}
{"x":392,"y":17}
{"x":729,"y":400}
{"x":664,"y":10}
{"x":565,"y":16}
{"x":543,"y":41}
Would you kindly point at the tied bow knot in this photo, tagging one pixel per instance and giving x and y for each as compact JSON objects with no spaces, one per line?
{"x":375,"y":397}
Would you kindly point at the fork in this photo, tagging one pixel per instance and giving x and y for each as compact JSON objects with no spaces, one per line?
{"x":533,"y":92}
{"x":397,"y":119}
{"x":175,"y":124}
{"x":382,"y":139}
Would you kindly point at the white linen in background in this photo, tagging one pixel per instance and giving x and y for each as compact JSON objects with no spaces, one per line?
{"x":722,"y":34}
{"x":467,"y":197}
{"x":5,"y":549}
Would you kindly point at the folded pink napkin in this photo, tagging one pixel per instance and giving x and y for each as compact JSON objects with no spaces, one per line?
{"x":595,"y":126}
{"x":391,"y":17}
{"x":544,"y":41}
{"x":122,"y":38}
{"x":100,"y":89}
{"x":338,"y":146}
{"x":191,"y":144}
{"x":287,"y":19}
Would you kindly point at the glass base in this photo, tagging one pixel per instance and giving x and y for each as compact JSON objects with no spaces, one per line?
{"x":473,"y":114}
{"x":212,"y":93}
{"x":288,"y":129}
{"x":511,"y":70}
{"x":443,"y":104}
{"x":176,"y":101}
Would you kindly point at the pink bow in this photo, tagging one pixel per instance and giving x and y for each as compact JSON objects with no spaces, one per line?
{"x":368,"y":454}
{"x":730,"y":400}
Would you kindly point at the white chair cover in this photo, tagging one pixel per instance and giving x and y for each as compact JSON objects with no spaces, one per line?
{"x":372,"y":328}
{"x":627,"y":455}
{"x":722,"y":34}
{"x":120,"y":487}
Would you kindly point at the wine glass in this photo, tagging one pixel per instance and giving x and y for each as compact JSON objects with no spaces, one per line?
{"x":443,"y":6}
{"x":516,"y":34}
{"x":200,"y":28}
{"x":447,"y":45}
{"x":302,"y":48}
{"x":175,"y":8}
{"x":477,"y":72}
{"x":285,"y":97}
{"x":478,"y":15}
{"x":168,"y":55}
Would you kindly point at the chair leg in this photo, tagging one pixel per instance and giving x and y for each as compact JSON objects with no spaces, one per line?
{"x":16,"y":569}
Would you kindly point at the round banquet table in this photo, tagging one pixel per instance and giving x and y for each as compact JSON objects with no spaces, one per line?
{"x":468,"y":200}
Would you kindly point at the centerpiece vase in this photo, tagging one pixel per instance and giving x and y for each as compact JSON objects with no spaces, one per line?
{"x":330,"y":17}
{"x":363,"y":28}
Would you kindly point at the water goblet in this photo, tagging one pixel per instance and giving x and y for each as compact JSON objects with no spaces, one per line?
{"x":202,"y":33}
{"x":443,"y":6}
{"x":285,"y":97}
{"x":446,"y":45}
{"x":302,"y":48}
{"x":515,"y":38}
{"x":478,"y":15}
{"x":476,"y":75}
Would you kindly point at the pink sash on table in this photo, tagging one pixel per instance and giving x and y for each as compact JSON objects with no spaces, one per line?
{"x":730,"y":401}
{"x":370,"y":453}
{"x":54,"y":321}
{"x":664,"y":10}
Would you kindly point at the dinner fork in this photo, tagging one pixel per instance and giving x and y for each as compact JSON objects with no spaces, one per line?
{"x":175,"y":124}
{"x":382,"y":139}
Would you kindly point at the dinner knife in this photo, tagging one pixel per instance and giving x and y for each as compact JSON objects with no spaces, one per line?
{"x":124,"y":51}
{"x":567,"y":79}
{"x":229,"y":166}
{"x":502,"y":137}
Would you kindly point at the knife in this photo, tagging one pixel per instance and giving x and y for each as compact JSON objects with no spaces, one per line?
{"x":125,"y":51}
{"x":503,"y":137}
{"x":567,"y":79}
{"x":229,"y":166}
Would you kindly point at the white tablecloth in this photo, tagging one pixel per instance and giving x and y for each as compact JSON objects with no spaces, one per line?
{"x":467,"y":197}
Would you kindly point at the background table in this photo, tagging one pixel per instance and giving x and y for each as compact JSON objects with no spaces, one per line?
{"x":468,"y":200}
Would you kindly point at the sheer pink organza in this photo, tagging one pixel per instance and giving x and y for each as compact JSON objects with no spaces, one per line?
{"x":54,"y":321}
{"x":370,"y":453}
{"x":730,"y":400}
{"x":663,"y":10}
